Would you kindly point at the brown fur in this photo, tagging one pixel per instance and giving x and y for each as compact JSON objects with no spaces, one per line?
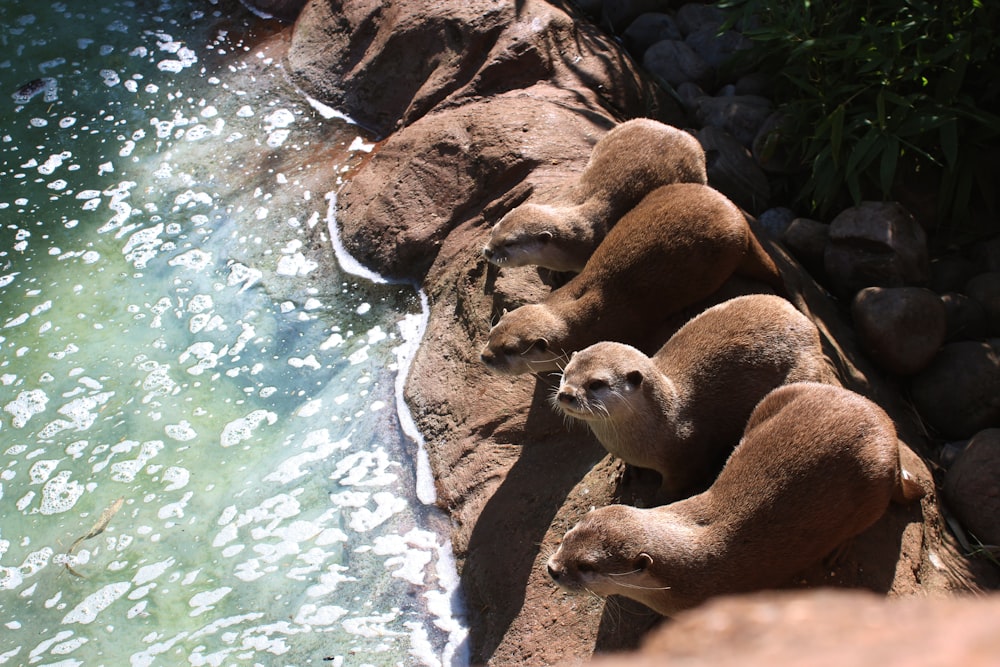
{"x":678,"y":246}
{"x":682,"y":411}
{"x":628,"y":162}
{"x":817,"y":465}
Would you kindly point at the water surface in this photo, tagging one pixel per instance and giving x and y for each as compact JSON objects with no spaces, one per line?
{"x":201,"y":460}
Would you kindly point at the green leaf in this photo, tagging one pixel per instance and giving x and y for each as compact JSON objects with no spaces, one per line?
{"x":836,"y":132}
{"x":949,"y":143}
{"x":864,"y":152}
{"x":887,"y":167}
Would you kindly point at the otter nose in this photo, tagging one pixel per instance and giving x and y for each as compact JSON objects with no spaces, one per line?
{"x":566,"y":396}
{"x":487,"y":252}
{"x":552,"y":572}
{"x":486,"y":357}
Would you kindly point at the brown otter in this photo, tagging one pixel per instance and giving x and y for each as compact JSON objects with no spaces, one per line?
{"x":675,"y":248}
{"x":817,"y":465}
{"x":628,"y":162}
{"x":682,"y":411}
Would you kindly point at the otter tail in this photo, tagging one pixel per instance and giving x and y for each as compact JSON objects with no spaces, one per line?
{"x":907,"y":489}
{"x":758,"y":265}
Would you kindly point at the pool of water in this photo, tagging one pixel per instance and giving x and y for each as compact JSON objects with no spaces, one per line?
{"x":201,"y":457}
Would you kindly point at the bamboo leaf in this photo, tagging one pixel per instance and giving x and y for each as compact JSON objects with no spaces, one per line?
{"x":836,"y":132}
{"x":949,"y":143}
{"x":887,"y":167}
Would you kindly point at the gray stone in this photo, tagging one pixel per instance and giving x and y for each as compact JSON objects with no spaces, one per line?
{"x":985,"y":289}
{"x":648,"y":29}
{"x":959,"y":393}
{"x":807,"y":240}
{"x":965,"y":317}
{"x":689,"y":93}
{"x":696,"y":16}
{"x":972,"y":487}
{"x":740,"y":115}
{"x":732,"y":171}
{"x":674,"y":62}
{"x":755,"y":83}
{"x":900,"y":328}
{"x":776,"y":220}
{"x":618,"y":14}
{"x":875,"y":244}
{"x":718,"y":49}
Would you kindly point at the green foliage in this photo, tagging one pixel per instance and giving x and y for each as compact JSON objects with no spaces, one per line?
{"x":875,"y":89}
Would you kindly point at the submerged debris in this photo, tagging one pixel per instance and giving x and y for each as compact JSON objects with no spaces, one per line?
{"x":95,"y":530}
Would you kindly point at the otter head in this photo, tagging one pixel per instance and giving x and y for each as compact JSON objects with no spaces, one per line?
{"x":528,"y":339}
{"x":532,"y":235}
{"x":602,"y":382}
{"x":605,"y":554}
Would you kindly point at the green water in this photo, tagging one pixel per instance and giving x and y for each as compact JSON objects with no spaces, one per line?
{"x":176,"y":332}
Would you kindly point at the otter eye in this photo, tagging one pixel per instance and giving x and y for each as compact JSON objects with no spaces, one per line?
{"x":541,"y":345}
{"x":643,"y":561}
{"x":584,"y":567}
{"x":543,"y":237}
{"x":509,"y":350}
{"x":596,"y":385}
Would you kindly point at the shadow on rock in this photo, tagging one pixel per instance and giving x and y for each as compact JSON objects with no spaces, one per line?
{"x":505,"y":543}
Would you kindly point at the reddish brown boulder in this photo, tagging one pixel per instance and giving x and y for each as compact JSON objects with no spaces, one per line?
{"x":825,"y":629}
{"x":900,"y":328}
{"x":972,"y":487}
{"x":875,"y":244}
{"x":959,"y":393}
{"x":386,"y":64}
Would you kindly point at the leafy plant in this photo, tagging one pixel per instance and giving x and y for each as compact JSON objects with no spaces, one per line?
{"x":878,"y":89}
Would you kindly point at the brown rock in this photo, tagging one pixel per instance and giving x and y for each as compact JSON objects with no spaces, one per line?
{"x":387,"y":64}
{"x":959,"y":393}
{"x":985,"y":289}
{"x":825,"y":629}
{"x":972,"y":487}
{"x":875,"y":244}
{"x":901,"y":328}
{"x":447,"y":167}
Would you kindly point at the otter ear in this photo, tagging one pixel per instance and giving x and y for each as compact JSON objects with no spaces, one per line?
{"x":643,"y":561}
{"x":543,"y":237}
{"x":634,"y":378}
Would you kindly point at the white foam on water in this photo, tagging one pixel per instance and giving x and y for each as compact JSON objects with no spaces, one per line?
{"x":25,"y":406}
{"x":87,"y":611}
{"x":242,"y":429}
